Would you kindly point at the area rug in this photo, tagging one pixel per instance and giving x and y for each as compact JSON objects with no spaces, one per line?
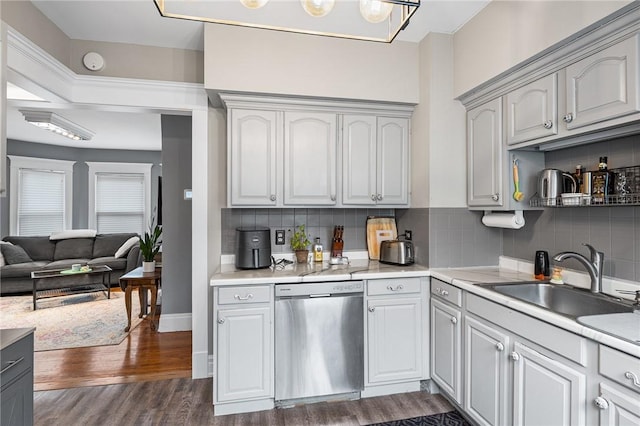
{"x":452,"y":418}
{"x":71,"y":321}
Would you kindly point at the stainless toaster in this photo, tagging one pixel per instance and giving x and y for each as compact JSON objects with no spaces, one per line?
{"x":396,"y":252}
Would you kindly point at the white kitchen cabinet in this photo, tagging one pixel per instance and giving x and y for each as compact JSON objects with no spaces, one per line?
{"x":243,"y":337}
{"x":486,"y":373}
{"x":603,"y":86}
{"x":310,"y":158}
{"x":446,"y":348}
{"x":531,"y":110}
{"x":375,"y":166}
{"x":484,"y":155}
{"x":253,"y":147}
{"x":395,"y":332}
{"x":545,"y":390}
{"x":617,"y":406}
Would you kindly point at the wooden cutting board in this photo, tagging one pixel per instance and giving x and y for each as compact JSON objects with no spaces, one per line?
{"x":379,"y":229}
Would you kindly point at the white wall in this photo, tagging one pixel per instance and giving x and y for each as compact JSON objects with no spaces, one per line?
{"x":253,"y":60}
{"x":507,"y":32}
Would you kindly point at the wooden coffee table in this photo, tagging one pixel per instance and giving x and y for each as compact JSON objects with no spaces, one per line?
{"x":142,"y":281}
{"x":62,"y":282}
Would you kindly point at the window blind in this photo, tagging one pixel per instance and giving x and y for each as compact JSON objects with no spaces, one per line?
{"x":41,"y":202}
{"x":120,"y":200}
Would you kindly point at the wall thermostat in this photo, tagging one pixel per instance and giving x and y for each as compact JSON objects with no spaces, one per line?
{"x":93,"y":61}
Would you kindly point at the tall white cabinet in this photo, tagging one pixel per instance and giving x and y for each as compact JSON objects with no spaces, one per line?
{"x":315,"y":153}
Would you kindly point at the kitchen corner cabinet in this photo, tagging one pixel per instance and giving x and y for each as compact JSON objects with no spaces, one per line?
{"x":253,"y":147}
{"x":310,"y":158}
{"x":395,"y":347}
{"x":375,"y":160}
{"x":243,"y":340}
{"x":618,"y":401}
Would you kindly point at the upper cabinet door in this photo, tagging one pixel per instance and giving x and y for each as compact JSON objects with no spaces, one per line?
{"x":359,"y":159}
{"x":393,"y":161}
{"x":531,"y":110}
{"x":603,"y":86}
{"x":484,"y":155}
{"x":253,"y":145}
{"x":310,"y":158}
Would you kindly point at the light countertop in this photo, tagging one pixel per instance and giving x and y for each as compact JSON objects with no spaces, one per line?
{"x":464,"y":278}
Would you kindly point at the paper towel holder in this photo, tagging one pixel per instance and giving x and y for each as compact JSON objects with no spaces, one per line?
{"x":513,"y":221}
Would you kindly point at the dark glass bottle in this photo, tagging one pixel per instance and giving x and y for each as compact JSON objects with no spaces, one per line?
{"x":602,"y":183}
{"x":579,"y":178}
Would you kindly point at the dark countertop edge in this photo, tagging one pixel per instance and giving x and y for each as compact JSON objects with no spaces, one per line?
{"x":9,"y":336}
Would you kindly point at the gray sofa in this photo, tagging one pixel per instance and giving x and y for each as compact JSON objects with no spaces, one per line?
{"x":61,"y":254}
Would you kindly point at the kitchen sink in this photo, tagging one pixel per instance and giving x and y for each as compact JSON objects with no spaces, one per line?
{"x":562,"y":299}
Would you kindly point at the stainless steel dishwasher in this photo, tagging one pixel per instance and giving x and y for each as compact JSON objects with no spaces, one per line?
{"x":319,"y":339}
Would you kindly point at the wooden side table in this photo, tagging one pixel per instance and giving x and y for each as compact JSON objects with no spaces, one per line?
{"x":142,"y":281}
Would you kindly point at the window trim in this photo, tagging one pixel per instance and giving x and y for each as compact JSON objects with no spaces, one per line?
{"x":125,"y":168}
{"x":19,"y":162}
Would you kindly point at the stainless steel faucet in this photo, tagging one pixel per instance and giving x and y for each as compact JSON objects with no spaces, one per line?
{"x":594,"y":266}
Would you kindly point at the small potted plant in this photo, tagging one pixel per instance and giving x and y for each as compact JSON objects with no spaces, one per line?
{"x":300,"y":244}
{"x":150,"y":246}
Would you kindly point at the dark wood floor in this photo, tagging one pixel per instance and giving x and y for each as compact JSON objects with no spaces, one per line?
{"x":146,"y":380}
{"x":189,"y":402}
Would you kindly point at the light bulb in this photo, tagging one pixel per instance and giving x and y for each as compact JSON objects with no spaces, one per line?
{"x":253,"y":4}
{"x":375,"y":11}
{"x":317,"y":8}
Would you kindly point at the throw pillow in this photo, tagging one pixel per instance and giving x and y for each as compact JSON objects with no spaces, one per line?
{"x":73,"y":233}
{"x":124,"y":248}
{"x":2,"y":261}
{"x":14,"y":254}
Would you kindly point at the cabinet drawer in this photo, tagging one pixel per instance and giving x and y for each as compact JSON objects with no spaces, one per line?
{"x":620,"y":367}
{"x":394,"y":286}
{"x":446,"y":291}
{"x":243,"y":295}
{"x":16,"y":358}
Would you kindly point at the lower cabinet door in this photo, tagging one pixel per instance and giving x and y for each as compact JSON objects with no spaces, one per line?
{"x":244,"y":354}
{"x":394,"y":339}
{"x":546,"y":391}
{"x":446,"y":359}
{"x":618,"y":407}
{"x":486,"y":371}
{"x":16,"y":402}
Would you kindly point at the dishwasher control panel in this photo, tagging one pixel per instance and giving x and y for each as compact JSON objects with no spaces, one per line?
{"x":319,"y":289}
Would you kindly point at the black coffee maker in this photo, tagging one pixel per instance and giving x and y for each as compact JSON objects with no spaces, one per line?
{"x":253,"y":248}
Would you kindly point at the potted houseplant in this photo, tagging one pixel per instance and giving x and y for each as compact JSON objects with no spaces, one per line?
{"x":300,"y":244}
{"x":150,"y":246}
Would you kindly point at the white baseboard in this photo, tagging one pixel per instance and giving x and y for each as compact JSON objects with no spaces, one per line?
{"x":200,"y":367}
{"x":174,"y":322}
{"x":391,"y":389}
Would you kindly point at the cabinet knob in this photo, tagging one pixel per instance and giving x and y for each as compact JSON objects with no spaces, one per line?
{"x":273,"y":197}
{"x":568,"y":118}
{"x":221,"y":320}
{"x":333,"y":198}
{"x":601,"y":403}
{"x":499,"y":347}
{"x":548,"y":124}
{"x":495,"y":197}
{"x":634,"y":379}
{"x":379,"y":197}
{"x":515,"y":356}
{"x":372,"y":308}
{"x":373,"y":197}
{"x":454,"y":320}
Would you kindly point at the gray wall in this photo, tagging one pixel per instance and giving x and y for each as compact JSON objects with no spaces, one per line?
{"x":176,"y":214}
{"x":612,"y":230}
{"x":80,"y":212}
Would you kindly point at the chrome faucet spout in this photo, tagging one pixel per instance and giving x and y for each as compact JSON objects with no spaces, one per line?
{"x":593,"y":265}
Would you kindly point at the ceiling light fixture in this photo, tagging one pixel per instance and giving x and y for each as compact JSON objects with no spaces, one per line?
{"x":57,"y":124}
{"x":369,"y":20}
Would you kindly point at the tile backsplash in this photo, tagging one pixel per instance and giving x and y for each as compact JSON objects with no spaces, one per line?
{"x":612,"y":230}
{"x":318,"y":223}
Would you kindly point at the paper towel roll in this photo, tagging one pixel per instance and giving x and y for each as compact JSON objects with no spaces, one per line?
{"x":504,"y":220}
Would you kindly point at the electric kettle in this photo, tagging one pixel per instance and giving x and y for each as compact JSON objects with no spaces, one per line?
{"x":551,"y":183}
